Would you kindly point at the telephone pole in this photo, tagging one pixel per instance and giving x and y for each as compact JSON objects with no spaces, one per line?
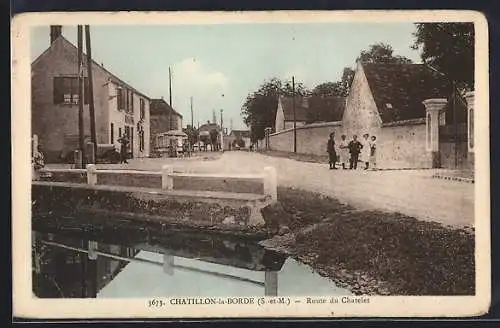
{"x":221,"y":132}
{"x":81,"y":132}
{"x":91,"y":92}
{"x":192,"y":123}
{"x":170,"y":86}
{"x":294,"y":118}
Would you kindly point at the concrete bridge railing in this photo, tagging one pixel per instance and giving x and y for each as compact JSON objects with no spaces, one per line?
{"x":252,"y":190}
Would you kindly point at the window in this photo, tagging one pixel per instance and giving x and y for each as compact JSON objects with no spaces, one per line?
{"x":66,"y":90}
{"x":119,"y":132}
{"x":112,"y":133}
{"x":131,"y":102}
{"x":142,"y":105}
{"x":120,"y":96}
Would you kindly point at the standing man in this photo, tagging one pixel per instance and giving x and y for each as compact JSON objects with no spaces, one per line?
{"x":123,"y":149}
{"x":354,"y":149}
{"x":373,"y":152}
{"x":330,"y":148}
{"x":365,"y":151}
{"x":344,"y":151}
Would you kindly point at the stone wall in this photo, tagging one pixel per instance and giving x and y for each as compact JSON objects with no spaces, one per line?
{"x":403,"y":146}
{"x":311,"y":138}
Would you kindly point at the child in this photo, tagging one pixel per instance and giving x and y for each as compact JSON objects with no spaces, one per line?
{"x":365,"y":151}
{"x":344,"y":151}
{"x":373,"y":152}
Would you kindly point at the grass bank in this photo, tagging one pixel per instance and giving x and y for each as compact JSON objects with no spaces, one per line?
{"x":373,"y":252}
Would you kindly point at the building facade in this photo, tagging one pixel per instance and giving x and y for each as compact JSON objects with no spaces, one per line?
{"x":119,"y":108}
{"x":165,"y":122}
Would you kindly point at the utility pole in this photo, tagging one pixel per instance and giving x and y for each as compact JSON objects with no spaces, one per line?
{"x":170,"y":86}
{"x":294,"y":118}
{"x":221,"y":132}
{"x":198,"y":135}
{"x":91,"y":91}
{"x":192,"y":123}
{"x":81,"y":132}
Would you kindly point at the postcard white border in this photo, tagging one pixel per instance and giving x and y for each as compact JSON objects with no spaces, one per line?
{"x":24,"y":305}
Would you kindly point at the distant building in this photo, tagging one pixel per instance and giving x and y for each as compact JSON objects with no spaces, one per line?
{"x":204,"y":133}
{"x":237,"y":137}
{"x":165,"y":123}
{"x":119,"y":108}
{"x":309,"y":109}
{"x":285,"y":113}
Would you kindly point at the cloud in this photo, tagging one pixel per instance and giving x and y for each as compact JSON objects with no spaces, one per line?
{"x":301,"y":75}
{"x":192,"y":78}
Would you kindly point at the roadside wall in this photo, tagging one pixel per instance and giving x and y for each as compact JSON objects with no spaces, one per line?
{"x":403,"y":146}
{"x":311,"y":138}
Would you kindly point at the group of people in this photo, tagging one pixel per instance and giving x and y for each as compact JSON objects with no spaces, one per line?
{"x":352,"y":152}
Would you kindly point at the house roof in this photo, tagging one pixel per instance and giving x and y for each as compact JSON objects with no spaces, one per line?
{"x":240,"y":133}
{"x":160,"y":106}
{"x":326,"y":109}
{"x":72,"y":47}
{"x":399,"y":89}
{"x":300,"y":109}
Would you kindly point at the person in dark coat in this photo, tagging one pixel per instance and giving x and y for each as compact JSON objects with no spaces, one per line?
{"x":123,"y":149}
{"x":354,"y":149}
{"x":332,"y":154}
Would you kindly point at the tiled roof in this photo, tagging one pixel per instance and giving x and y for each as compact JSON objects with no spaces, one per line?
{"x":300,"y":109}
{"x":399,"y":89}
{"x":326,"y":109}
{"x":160,"y":106}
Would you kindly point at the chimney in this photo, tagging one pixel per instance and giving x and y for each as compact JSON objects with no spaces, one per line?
{"x":55,"y":32}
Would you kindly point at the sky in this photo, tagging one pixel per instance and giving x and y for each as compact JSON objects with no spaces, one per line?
{"x":219,"y":65}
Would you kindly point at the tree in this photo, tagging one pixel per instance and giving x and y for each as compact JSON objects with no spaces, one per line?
{"x":448,"y":47}
{"x":328,"y":89}
{"x":382,"y":53}
{"x":259,"y":109}
{"x":345,"y":83}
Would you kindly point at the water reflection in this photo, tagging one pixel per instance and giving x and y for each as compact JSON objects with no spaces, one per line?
{"x":71,"y":261}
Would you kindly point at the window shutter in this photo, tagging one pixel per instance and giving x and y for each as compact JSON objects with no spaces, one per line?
{"x":119,"y":98}
{"x":58,"y":90}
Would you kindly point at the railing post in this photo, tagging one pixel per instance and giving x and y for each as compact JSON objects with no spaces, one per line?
{"x":168,"y":264}
{"x":92,"y":248}
{"x":91,"y":174}
{"x":167,"y":180}
{"x":271,"y":183}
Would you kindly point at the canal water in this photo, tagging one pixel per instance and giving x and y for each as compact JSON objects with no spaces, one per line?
{"x":75,"y":261}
